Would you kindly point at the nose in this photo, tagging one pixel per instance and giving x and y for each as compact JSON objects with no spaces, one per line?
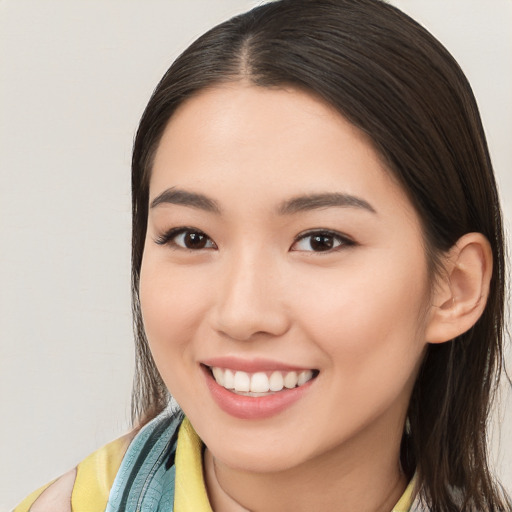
{"x":250,"y":299}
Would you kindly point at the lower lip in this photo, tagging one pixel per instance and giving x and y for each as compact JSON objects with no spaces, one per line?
{"x":254,"y":408}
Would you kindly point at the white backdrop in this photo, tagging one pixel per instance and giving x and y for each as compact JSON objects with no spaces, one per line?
{"x":74,"y":78}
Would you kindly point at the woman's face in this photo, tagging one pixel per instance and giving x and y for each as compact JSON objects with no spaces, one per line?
{"x":280,"y":252}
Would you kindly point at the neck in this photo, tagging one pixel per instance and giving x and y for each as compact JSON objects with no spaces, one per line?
{"x":348,"y":478}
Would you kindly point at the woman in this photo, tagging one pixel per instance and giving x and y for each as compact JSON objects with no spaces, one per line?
{"x":318,"y":276}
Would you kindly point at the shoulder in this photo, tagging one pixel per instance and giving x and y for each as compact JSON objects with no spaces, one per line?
{"x":86,"y":487}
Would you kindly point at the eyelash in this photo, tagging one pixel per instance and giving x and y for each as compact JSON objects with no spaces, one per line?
{"x":169,"y":238}
{"x":342,"y":240}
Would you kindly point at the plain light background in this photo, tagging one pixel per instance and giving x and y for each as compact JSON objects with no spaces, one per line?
{"x":75,"y":76}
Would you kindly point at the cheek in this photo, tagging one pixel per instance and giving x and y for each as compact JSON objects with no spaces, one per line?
{"x":171,"y":307}
{"x":370,"y":323}
{"x":372,"y":338}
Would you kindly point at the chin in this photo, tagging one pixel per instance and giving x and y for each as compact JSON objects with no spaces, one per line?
{"x":254,"y":459}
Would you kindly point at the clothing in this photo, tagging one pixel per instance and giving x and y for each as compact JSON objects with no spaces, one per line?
{"x":158,"y":470}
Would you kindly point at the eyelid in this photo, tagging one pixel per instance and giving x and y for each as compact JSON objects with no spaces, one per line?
{"x":345,"y":240}
{"x":167,"y":237}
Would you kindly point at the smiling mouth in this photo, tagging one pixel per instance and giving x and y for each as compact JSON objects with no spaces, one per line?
{"x":260,"y":383}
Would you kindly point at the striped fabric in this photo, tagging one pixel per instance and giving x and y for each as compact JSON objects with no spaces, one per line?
{"x":146,"y":479}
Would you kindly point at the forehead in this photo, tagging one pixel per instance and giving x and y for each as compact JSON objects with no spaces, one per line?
{"x":266,"y":143}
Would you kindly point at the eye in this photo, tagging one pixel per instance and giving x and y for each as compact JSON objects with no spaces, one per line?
{"x":321,"y":241}
{"x":186,"y":238}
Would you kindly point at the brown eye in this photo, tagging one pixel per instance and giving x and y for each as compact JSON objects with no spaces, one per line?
{"x":193,"y":240}
{"x":321,"y":241}
{"x":187,"y":239}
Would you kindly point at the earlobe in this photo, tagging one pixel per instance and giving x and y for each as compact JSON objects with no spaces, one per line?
{"x":462,"y":290}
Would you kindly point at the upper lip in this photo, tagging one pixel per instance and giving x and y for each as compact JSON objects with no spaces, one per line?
{"x":252,"y":365}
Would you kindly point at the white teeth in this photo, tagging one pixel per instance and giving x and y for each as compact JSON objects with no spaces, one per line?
{"x":229,"y":379}
{"x":304,"y":377}
{"x":219,"y":375}
{"x":242,"y":381}
{"x":276,"y":381}
{"x":260,"y":382}
{"x":290,"y":380}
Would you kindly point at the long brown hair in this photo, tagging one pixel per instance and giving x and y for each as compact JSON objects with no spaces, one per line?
{"x":393,"y":80}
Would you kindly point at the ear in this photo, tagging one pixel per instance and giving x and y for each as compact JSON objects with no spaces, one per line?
{"x":462,"y":290}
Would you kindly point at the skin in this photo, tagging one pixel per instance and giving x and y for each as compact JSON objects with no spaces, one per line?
{"x":359,"y":313}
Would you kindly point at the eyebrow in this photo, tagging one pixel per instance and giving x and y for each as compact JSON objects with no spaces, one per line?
{"x":325,"y":200}
{"x":289,"y":207}
{"x":182,"y":197}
